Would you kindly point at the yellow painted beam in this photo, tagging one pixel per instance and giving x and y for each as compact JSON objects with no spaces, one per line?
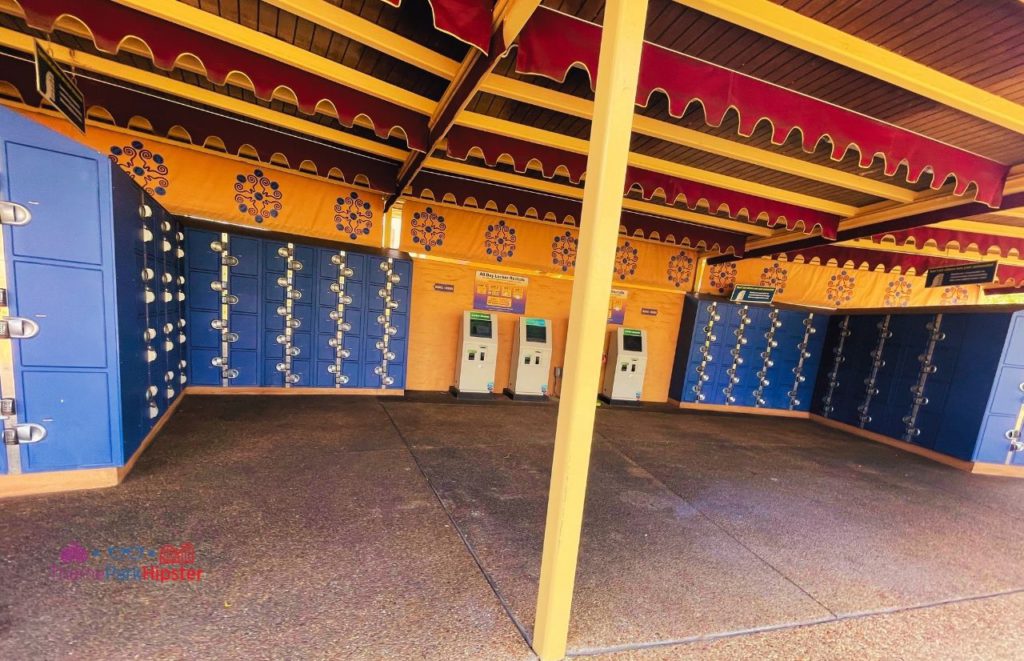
{"x":518,"y":181}
{"x":621,"y":43}
{"x":370,"y":34}
{"x":886,"y":211}
{"x":792,"y":28}
{"x":982,"y":227}
{"x":542,"y":137}
{"x":268,"y":46}
{"x":156,"y":82}
{"x":575,"y":106}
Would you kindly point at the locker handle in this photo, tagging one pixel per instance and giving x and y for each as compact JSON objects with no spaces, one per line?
{"x":29,"y":433}
{"x":1012,"y":434}
{"x":18,"y":328}
{"x":1020,"y":387}
{"x":12,"y":213}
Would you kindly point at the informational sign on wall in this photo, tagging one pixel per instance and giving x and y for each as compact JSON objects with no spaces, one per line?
{"x":617,"y":306}
{"x":58,"y":88}
{"x":965,"y":274}
{"x":500,"y":292}
{"x":752,"y":294}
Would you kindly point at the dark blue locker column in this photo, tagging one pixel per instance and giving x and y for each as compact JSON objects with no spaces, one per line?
{"x":204,"y":252}
{"x":686,"y":351}
{"x":386,"y":324}
{"x":900,"y":354}
{"x":340,"y":300}
{"x":288,"y":301}
{"x":739,"y":360}
{"x":240,"y":296}
{"x":999,"y":440}
{"x":809,"y":351}
{"x":60,"y":278}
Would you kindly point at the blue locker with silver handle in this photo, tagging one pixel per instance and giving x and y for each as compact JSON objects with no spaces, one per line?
{"x":274,"y":313}
{"x":736,"y":354}
{"x":950,"y":381}
{"x":93,"y":295}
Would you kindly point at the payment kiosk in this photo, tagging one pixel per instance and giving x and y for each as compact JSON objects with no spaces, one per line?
{"x":478,"y":352}
{"x":531,"y":360}
{"x":627,"y":362}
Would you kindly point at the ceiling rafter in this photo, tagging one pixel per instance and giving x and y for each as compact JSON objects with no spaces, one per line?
{"x":463,"y":87}
{"x":792,"y":28}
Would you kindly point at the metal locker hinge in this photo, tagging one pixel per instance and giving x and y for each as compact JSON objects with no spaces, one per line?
{"x":7,"y":407}
{"x":18,"y":328}
{"x":24,"y":434}
{"x":12,"y":213}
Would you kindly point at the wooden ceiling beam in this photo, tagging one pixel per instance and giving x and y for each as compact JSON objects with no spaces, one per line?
{"x":463,"y":87}
{"x":795,"y":29}
{"x":541,"y":97}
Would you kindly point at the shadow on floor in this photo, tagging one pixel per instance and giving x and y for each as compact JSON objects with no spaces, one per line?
{"x":319,"y":536}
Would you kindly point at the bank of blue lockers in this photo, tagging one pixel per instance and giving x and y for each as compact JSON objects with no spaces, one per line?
{"x":94,"y":280}
{"x":267,"y":312}
{"x":952,"y":382}
{"x":736,"y":354}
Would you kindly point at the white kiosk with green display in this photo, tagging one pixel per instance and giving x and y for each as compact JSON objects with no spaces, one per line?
{"x":478,"y":353}
{"x":531,"y":360}
{"x":623,"y":381}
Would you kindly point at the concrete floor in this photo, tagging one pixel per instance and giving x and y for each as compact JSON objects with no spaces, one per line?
{"x":360,"y":528}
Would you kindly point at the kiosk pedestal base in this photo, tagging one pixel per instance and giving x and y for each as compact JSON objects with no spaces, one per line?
{"x":524,"y":398}
{"x":619,"y":402}
{"x":455,"y":392}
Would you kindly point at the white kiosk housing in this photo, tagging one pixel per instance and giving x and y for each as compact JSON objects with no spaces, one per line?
{"x":478,"y":353}
{"x":623,"y":381}
{"x":531,"y":359}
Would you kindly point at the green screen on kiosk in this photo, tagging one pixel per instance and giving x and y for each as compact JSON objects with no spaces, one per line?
{"x":480,"y":327}
{"x":536,"y":333}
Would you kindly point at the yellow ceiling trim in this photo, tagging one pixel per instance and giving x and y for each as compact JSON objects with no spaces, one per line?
{"x":268,"y":46}
{"x":157,"y":82}
{"x":553,"y":188}
{"x":568,"y":104}
{"x":580,"y":146}
{"x":368,"y":33}
{"x":792,"y":28}
{"x":982,"y":227}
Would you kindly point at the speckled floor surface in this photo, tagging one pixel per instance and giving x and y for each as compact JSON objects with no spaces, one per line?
{"x":320,"y":537}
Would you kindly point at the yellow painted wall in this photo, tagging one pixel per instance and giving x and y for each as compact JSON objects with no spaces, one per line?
{"x":436,"y":317}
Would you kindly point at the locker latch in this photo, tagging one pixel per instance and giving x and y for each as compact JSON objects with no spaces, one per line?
{"x":17,"y":328}
{"x":3,"y":297}
{"x":12,"y":213}
{"x":24,"y":434}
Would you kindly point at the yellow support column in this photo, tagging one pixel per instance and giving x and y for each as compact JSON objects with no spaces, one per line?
{"x":621,"y":44}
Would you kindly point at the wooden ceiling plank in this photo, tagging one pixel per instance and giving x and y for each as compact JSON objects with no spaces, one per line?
{"x":369,"y":33}
{"x":792,"y":28}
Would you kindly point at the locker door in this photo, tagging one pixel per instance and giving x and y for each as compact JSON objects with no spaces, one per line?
{"x":58,"y":268}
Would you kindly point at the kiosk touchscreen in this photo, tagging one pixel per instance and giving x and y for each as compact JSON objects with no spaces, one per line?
{"x":623,"y":381}
{"x":478,"y":352}
{"x":531,"y":359}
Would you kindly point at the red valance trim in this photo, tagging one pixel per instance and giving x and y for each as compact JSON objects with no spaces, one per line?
{"x":462,"y":141}
{"x":111,"y":23}
{"x":871,"y":259}
{"x":469,"y":21}
{"x":553,"y":42}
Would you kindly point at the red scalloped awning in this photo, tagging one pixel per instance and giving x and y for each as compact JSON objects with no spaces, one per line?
{"x":1008,"y":278}
{"x":943,"y":238}
{"x":462,"y":141}
{"x":481,"y":195}
{"x":469,"y":21}
{"x":552,"y":43}
{"x":110,"y":23}
{"x":871,"y":259}
{"x":123,"y":104}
